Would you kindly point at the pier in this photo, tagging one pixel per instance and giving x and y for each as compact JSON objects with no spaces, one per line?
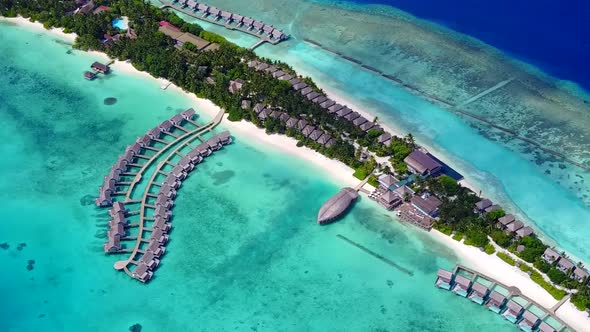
{"x":266,"y":33}
{"x":158,"y":196}
{"x":376,"y":255}
{"x":502,"y":299}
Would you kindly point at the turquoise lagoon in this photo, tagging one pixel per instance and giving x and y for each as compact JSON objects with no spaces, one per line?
{"x":245,"y":253}
{"x":552,"y":195}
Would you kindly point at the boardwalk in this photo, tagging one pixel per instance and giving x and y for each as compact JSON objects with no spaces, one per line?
{"x":266,"y":33}
{"x":192,"y":136}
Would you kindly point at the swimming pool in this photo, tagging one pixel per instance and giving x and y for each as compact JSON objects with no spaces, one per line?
{"x":121,"y":23}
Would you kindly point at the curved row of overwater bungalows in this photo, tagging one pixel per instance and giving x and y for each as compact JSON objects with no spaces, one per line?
{"x":493,"y":300}
{"x":162,"y":211}
{"x":235,"y":21}
{"x":112,"y":181}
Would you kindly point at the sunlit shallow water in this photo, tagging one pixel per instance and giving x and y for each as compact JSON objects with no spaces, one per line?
{"x":245,"y":252}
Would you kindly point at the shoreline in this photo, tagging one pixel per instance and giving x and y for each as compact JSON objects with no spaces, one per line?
{"x":480,"y":261}
{"x":496,"y":268}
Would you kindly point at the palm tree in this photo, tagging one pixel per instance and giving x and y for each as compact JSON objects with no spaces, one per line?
{"x":410,"y":140}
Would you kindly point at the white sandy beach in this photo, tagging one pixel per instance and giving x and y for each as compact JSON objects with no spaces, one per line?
{"x":470,"y":256}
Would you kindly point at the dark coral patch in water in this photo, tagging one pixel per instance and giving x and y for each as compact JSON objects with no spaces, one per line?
{"x":222,"y":177}
{"x":30,"y":267}
{"x":87,"y":200}
{"x":4,"y":246}
{"x":135,"y":328}
{"x":110,"y":101}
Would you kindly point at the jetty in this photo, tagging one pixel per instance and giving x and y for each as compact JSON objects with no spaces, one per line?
{"x":501,"y":299}
{"x":147,"y":226}
{"x":266,"y":33}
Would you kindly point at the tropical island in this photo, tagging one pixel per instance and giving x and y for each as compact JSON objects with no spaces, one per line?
{"x":252,"y":89}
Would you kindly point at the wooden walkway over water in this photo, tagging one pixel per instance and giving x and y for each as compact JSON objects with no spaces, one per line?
{"x":188,"y":137}
{"x":266,"y":33}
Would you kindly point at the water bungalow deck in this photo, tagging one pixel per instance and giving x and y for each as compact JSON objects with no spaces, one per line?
{"x":513,"y":306}
{"x":266,"y":33}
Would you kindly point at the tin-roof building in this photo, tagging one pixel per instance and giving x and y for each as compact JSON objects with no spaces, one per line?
{"x":421,"y":163}
{"x":551,"y":256}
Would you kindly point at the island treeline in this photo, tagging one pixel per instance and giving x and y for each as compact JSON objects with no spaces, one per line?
{"x":208,"y":75}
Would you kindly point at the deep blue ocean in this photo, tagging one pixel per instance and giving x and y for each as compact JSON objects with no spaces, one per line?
{"x":552,"y":35}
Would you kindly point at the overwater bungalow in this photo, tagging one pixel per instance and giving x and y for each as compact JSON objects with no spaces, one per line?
{"x":359,"y":121}
{"x":142,"y":273}
{"x":504,"y":221}
{"x":144,"y":141}
{"x":461,"y":285}
{"x":316,"y":134}
{"x":154,"y":133}
{"x":307,"y":130}
{"x":89,"y":75}
{"x":160,"y":236}
{"x":335,"y":108}
{"x":496,"y":302}
{"x":155,"y":248}
{"x":116,"y":208}
{"x":118,"y":218}
{"x":195,"y":157}
{"x":247,"y":21}
{"x":525,"y":231}
{"x":513,"y":311}
{"x":101,"y":68}
{"x":214,"y":143}
{"x":529,"y":321}
{"x":162,"y":213}
{"x":550,"y":256}
{"x":186,"y":165}
{"x":514,"y":226}
{"x":482,"y":205}
{"x":167,"y":191}
{"x":133,"y":149}
{"x":203,"y":149}
{"x":565,"y":265}
{"x":160,"y":223}
{"x":104,"y":199}
{"x":150,"y":260}
{"x":164,"y":202}
{"x":117,"y":230}
{"x":544,"y":327}
{"x":165,"y":126}
{"x":444,"y":279}
{"x":178,"y":173}
{"x":420,"y":163}
{"x":112,"y":245}
{"x":478,"y":293}
{"x":390,"y":200}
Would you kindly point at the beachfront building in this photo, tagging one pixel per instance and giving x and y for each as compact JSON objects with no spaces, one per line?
{"x":388,"y":181}
{"x":462,"y":284}
{"x":580,"y":274}
{"x":513,"y":311}
{"x":427,"y":204}
{"x":496,"y":302}
{"x":514,"y":226}
{"x":565,"y":265}
{"x":482,"y":205}
{"x":390,"y":200}
{"x":551,"y":256}
{"x":504,"y":221}
{"x":444,"y":279}
{"x":529,"y":321}
{"x":525,"y":231}
{"x":421,"y":163}
{"x":478,"y":293}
